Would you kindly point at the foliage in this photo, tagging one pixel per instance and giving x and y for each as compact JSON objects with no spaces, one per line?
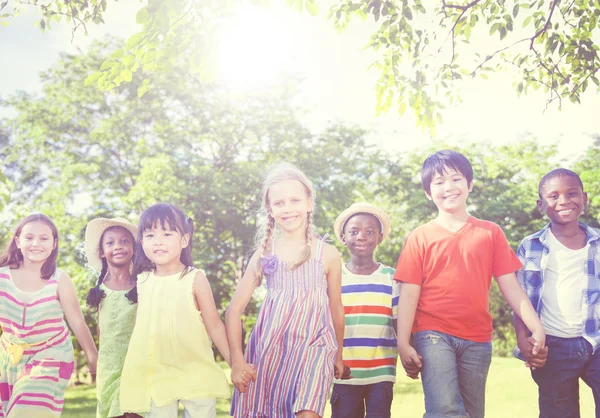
{"x":425,"y":48}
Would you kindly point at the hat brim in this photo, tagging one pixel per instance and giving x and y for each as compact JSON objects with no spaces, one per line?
{"x":367,"y":208}
{"x":93,"y":232}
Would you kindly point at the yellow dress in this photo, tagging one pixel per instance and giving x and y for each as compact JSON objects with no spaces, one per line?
{"x":170,"y":354}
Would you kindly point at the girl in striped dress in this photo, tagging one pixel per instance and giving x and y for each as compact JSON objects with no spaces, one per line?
{"x":36,"y":352}
{"x":296,"y":346}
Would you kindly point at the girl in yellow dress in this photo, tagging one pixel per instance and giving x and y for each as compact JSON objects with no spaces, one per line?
{"x":170,"y":358}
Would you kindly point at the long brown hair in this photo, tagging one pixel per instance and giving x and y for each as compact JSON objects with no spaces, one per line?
{"x":266,"y":230}
{"x":12,"y":255}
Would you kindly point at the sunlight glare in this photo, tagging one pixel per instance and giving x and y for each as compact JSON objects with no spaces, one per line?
{"x":253,"y":49}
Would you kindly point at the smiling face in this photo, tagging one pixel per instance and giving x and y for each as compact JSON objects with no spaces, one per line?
{"x":562,"y":199}
{"x":289,"y":204}
{"x":163,"y":246}
{"x":362,"y":234}
{"x":449,"y":191}
{"x":117,"y":246}
{"x":36,"y":242}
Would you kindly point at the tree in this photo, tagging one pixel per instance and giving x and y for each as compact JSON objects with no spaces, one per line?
{"x":550,"y":45}
{"x":425,"y":48}
{"x":184,"y":142}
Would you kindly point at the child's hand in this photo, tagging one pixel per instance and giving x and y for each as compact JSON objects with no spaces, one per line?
{"x":411,"y":361}
{"x":241,"y":376}
{"x":539,"y":343}
{"x":92,"y":359}
{"x":533,"y":361}
{"x":341,"y":371}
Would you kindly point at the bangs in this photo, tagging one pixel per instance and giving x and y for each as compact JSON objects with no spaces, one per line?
{"x":160,"y":215}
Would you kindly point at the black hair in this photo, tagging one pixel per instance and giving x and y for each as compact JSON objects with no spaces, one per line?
{"x":95,"y":294}
{"x":168,"y":217}
{"x":439,"y":162}
{"x":379,"y":224}
{"x":558,"y":172}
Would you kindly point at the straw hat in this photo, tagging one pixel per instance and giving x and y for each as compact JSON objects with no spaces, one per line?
{"x":94,"y":231}
{"x":362,"y":207}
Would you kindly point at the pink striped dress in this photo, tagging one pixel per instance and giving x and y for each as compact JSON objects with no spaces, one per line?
{"x":33,"y":386}
{"x":292,"y":346}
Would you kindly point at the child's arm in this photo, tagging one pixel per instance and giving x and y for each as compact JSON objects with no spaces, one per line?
{"x":521,"y":306}
{"x":407,"y":306}
{"x":67,"y":297}
{"x":333,"y":270}
{"x":241,"y":372}
{"x":206,"y":304}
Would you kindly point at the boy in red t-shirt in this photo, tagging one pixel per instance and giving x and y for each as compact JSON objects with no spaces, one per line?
{"x":446,"y":267}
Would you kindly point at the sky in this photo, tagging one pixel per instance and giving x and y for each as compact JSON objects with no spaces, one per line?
{"x":256,"y":44}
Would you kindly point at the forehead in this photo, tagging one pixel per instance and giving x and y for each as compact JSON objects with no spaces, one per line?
{"x":363,"y":220}
{"x":561,"y":182}
{"x":117,"y":232}
{"x":287,"y":188}
{"x":36,"y":228}
{"x":447,"y":172}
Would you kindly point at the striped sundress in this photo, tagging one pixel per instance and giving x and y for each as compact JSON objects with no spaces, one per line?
{"x":33,"y":385}
{"x":292,"y":346}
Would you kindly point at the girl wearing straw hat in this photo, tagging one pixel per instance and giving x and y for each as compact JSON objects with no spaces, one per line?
{"x":109,"y":245}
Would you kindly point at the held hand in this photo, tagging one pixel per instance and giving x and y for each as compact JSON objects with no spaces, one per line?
{"x":533,"y":361}
{"x":241,"y":376}
{"x":539,"y":343}
{"x":92,"y":359}
{"x":411,"y":361}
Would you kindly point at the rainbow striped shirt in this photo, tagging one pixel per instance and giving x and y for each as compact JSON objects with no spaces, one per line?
{"x":370,"y":304}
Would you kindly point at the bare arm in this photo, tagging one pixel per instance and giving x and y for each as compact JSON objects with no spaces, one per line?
{"x":240,"y":372}
{"x":67,"y":297}
{"x":333,"y":270}
{"x":407,"y":307}
{"x":210,"y":316}
{"x":521,"y":306}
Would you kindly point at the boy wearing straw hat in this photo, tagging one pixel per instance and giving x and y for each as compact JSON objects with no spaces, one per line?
{"x":370,"y":298}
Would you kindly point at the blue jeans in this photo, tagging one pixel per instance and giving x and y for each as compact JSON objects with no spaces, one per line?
{"x":558,"y":381}
{"x":454,"y":374}
{"x":348,"y":401}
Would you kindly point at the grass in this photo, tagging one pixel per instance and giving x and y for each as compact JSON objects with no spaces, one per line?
{"x":511,"y":393}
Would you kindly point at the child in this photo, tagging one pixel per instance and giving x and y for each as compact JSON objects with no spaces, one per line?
{"x":446,"y":268}
{"x":561,"y":266}
{"x":36,"y":352}
{"x":170,"y":358}
{"x":298,"y":336}
{"x":370,"y":298}
{"x":109,"y":249}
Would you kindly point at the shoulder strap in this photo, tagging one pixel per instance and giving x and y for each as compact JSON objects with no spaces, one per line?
{"x":320,"y":246}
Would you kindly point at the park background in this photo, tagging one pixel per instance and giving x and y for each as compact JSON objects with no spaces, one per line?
{"x":282,"y":85}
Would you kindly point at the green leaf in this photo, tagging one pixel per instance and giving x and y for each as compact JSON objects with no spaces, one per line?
{"x":300,"y":5}
{"x":128,"y":61}
{"x":516,"y":10}
{"x":92,"y":78}
{"x":134,"y":40}
{"x":142,"y":16}
{"x":143,"y":89}
{"x":494,"y":28}
{"x":118,"y":54}
{"x":527,"y":20}
{"x":311,"y":7}
{"x":108,"y":63}
{"x":126,"y":75}
{"x":503,"y":32}
{"x":402,"y":108}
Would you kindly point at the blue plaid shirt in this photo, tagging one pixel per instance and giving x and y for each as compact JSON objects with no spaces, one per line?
{"x":533,"y":253}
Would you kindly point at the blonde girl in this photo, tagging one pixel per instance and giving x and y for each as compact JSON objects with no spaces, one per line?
{"x":295,"y":348}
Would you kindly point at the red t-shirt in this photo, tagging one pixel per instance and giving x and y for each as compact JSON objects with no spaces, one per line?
{"x":454,"y":270}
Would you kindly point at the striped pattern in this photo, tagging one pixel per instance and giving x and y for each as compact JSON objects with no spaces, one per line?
{"x":370,"y":304}
{"x":34,"y":387}
{"x":292,"y":346}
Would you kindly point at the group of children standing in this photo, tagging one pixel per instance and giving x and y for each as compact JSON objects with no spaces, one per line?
{"x":322,"y":321}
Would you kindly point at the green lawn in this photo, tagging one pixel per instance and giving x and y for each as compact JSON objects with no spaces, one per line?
{"x":511,"y":393}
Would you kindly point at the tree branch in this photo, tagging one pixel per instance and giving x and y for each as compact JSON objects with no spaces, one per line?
{"x":490,"y":57}
{"x":456,"y":6}
{"x":545,"y":27}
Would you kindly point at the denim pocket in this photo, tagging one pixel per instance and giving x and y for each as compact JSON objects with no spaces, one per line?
{"x":335,"y":397}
